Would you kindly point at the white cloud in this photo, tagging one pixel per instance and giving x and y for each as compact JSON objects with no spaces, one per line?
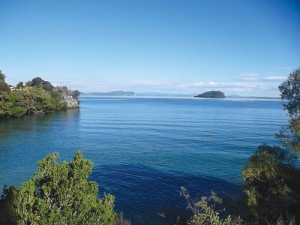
{"x":274,"y":78}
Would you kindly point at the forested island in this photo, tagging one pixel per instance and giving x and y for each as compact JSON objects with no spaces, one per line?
{"x":211,"y":94}
{"x":36,"y":96}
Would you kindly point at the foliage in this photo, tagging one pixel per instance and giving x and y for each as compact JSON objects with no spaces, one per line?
{"x":38,"y":96}
{"x":20,"y":85}
{"x":30,"y":101}
{"x":290,"y":92}
{"x":59,"y":194}
{"x":289,"y":135}
{"x":271,"y":186}
{"x":207,"y":211}
{"x":41,"y":83}
{"x":6,"y":209}
{"x":4,"y":87}
{"x":2,"y":76}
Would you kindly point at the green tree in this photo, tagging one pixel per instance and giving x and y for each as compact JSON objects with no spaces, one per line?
{"x":28,"y":83}
{"x":5,"y":104}
{"x":4,"y":87}
{"x":2,"y":76}
{"x":20,"y":85}
{"x":6,"y":208}
{"x":290,"y":93}
{"x":60,"y":194}
{"x":272,"y":187}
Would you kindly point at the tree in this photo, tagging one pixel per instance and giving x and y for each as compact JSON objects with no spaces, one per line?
{"x":290,"y":93}
{"x":20,"y":85}
{"x":207,"y":211}
{"x":6,"y":209}
{"x":272,"y":188}
{"x":44,"y":84}
{"x":2,"y":76}
{"x":4,"y":87}
{"x":60,"y":194}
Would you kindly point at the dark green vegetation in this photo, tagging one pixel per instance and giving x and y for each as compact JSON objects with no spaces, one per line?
{"x":290,"y":92}
{"x":58,"y":194}
{"x":37,"y":96}
{"x":272,"y":186}
{"x":211,"y":94}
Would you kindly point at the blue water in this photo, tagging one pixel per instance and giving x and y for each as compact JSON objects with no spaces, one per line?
{"x":144,"y":149}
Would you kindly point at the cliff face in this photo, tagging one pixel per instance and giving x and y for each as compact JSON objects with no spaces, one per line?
{"x":71,"y":102}
{"x":211,"y":94}
{"x":69,"y":96}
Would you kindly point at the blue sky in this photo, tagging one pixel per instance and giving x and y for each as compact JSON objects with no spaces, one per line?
{"x":243,"y":47}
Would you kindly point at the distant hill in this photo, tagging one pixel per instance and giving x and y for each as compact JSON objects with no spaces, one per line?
{"x":211,"y":94}
{"x":112,"y":93}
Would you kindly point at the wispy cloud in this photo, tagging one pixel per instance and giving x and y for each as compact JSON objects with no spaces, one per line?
{"x":274,"y":78}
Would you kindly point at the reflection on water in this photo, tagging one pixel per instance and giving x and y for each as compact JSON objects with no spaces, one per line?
{"x":30,"y":123}
{"x":24,"y":141}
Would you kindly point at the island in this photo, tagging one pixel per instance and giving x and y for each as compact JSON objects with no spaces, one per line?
{"x":211,"y":94}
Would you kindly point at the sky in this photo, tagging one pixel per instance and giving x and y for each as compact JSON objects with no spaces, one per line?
{"x":240,"y":47}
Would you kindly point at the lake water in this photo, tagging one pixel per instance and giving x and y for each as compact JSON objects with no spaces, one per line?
{"x":144,"y":149}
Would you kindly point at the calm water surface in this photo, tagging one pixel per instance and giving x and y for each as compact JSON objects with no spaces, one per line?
{"x":144,"y":149}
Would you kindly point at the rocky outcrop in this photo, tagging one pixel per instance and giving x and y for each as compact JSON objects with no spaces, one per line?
{"x":69,"y":96}
{"x":211,"y":94}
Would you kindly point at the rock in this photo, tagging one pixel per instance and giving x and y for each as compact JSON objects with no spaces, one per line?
{"x":211,"y":94}
{"x":69,"y":96}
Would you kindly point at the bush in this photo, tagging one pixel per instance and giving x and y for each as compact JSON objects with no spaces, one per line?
{"x":4,"y":87}
{"x":272,"y":189}
{"x":58,"y":194}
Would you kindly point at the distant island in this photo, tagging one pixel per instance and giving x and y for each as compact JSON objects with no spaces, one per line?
{"x":211,"y":94}
{"x":112,"y":93}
